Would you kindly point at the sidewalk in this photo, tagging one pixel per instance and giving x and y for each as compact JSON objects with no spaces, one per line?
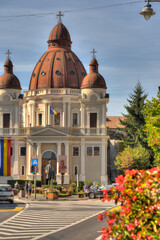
{"x":42,"y":198}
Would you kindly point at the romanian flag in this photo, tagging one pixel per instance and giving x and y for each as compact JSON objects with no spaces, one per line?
{"x":54,"y":112}
{"x":5,"y":156}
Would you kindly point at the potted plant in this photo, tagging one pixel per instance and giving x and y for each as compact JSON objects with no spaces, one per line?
{"x":52,"y":193}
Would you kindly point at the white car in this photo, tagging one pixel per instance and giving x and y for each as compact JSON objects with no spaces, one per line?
{"x":6,"y":193}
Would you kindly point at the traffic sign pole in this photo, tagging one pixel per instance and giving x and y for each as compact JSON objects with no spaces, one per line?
{"x":35,"y":164}
{"x":35,"y":181}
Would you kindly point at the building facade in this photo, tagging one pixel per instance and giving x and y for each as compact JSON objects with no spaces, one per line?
{"x":62,"y":116}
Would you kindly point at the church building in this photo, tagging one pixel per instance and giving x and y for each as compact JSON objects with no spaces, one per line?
{"x":62,"y":116}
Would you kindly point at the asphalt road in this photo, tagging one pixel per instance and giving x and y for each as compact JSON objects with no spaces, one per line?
{"x":86,"y":230}
{"x":70,"y":220}
{"x":6,"y":210}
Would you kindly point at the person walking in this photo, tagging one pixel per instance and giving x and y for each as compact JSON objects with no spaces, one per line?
{"x":26,"y":189}
{"x":29,"y":188}
{"x":16,"y":186}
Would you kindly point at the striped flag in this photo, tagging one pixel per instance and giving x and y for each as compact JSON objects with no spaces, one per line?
{"x":54,"y":112}
{"x":5,"y":156}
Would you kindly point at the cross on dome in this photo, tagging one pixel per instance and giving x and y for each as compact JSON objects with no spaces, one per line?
{"x":8,"y":53}
{"x":93,"y":51}
{"x":59,"y":16}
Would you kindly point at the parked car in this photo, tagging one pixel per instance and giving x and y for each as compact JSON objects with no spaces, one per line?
{"x":6,"y":193}
{"x":98,"y":191}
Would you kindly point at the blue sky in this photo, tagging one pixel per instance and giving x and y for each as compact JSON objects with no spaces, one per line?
{"x":128,"y":46}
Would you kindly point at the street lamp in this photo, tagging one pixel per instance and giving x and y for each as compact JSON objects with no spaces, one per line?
{"x":147,"y":11}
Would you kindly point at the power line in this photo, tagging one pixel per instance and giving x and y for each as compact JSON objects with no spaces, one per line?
{"x":69,"y":11}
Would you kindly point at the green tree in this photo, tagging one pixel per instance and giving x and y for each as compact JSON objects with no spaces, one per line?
{"x":152,"y":126}
{"x":133,"y":158}
{"x":134,"y":119}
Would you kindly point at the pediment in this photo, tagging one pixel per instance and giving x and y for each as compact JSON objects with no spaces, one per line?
{"x":48,"y":131}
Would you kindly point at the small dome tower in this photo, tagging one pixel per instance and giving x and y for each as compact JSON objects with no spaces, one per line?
{"x":93,"y":79}
{"x":10,"y":98}
{"x":8,"y":79}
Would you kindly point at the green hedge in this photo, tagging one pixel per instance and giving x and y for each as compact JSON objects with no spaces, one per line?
{"x":22,"y":182}
{"x":81,"y":184}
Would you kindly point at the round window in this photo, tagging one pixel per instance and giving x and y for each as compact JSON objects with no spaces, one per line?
{"x":64,"y":44}
{"x":53,"y":44}
{"x":47,"y":59}
{"x":83,"y":74}
{"x":57,"y":72}
{"x":33,"y":75}
{"x":72,"y":72}
{"x":58,"y":59}
{"x":43,"y":73}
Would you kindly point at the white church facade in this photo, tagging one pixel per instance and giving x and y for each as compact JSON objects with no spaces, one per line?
{"x":62,"y":116}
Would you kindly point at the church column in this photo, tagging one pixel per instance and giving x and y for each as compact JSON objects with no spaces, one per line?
{"x":33,"y":115}
{"x":64,"y":114}
{"x":30,"y":114}
{"x":37,"y":120}
{"x":58,"y":154}
{"x":83,"y":118}
{"x":24,"y":116}
{"x":16,"y":118}
{"x":15,"y":161}
{"x":98,"y":123}
{"x":1,"y":120}
{"x":103,"y":119}
{"x":29,"y":161}
{"x":83,"y":170}
{"x":69,"y":114}
{"x":11,"y":119}
{"x":67,"y":154}
{"x":49,"y":115}
{"x":104,"y":177}
{"x":39,"y":159}
{"x":45,"y":114}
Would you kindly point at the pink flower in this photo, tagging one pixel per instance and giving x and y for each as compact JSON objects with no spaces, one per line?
{"x":140,"y":190}
{"x":151,"y":208}
{"x":130,"y":227}
{"x":136,"y":222}
{"x":132,"y":172}
{"x":120,"y":179}
{"x":100,"y":217}
{"x":159,"y":222}
{"x":133,"y":236}
{"x":134,"y":198}
{"x":158,"y":205}
{"x":149,"y":238}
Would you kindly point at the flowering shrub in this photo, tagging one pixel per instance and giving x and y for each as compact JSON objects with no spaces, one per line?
{"x":139,"y":216}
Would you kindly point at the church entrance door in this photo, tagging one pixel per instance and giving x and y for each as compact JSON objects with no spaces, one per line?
{"x":48,"y":156}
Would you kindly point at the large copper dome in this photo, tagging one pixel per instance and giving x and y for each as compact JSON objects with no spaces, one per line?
{"x":93,"y":79}
{"x":8,"y":79}
{"x":59,"y":67}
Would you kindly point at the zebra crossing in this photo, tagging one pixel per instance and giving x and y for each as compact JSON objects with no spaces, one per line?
{"x":40,"y":220}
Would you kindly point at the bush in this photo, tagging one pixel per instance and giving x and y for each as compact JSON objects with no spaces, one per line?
{"x":81,"y":184}
{"x":58,"y":187}
{"x":137,"y":158}
{"x":139,"y":195}
{"x":46,"y":186}
{"x":22,"y":183}
{"x":54,"y":182}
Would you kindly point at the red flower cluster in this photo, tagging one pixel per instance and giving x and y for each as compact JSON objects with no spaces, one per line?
{"x":139,"y":196}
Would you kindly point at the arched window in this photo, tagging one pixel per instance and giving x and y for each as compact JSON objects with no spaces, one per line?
{"x":49,"y":155}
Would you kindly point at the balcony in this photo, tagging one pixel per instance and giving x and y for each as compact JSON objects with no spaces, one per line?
{"x":75,"y":131}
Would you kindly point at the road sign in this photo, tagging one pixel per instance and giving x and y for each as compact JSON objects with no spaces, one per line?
{"x":34,"y":161}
